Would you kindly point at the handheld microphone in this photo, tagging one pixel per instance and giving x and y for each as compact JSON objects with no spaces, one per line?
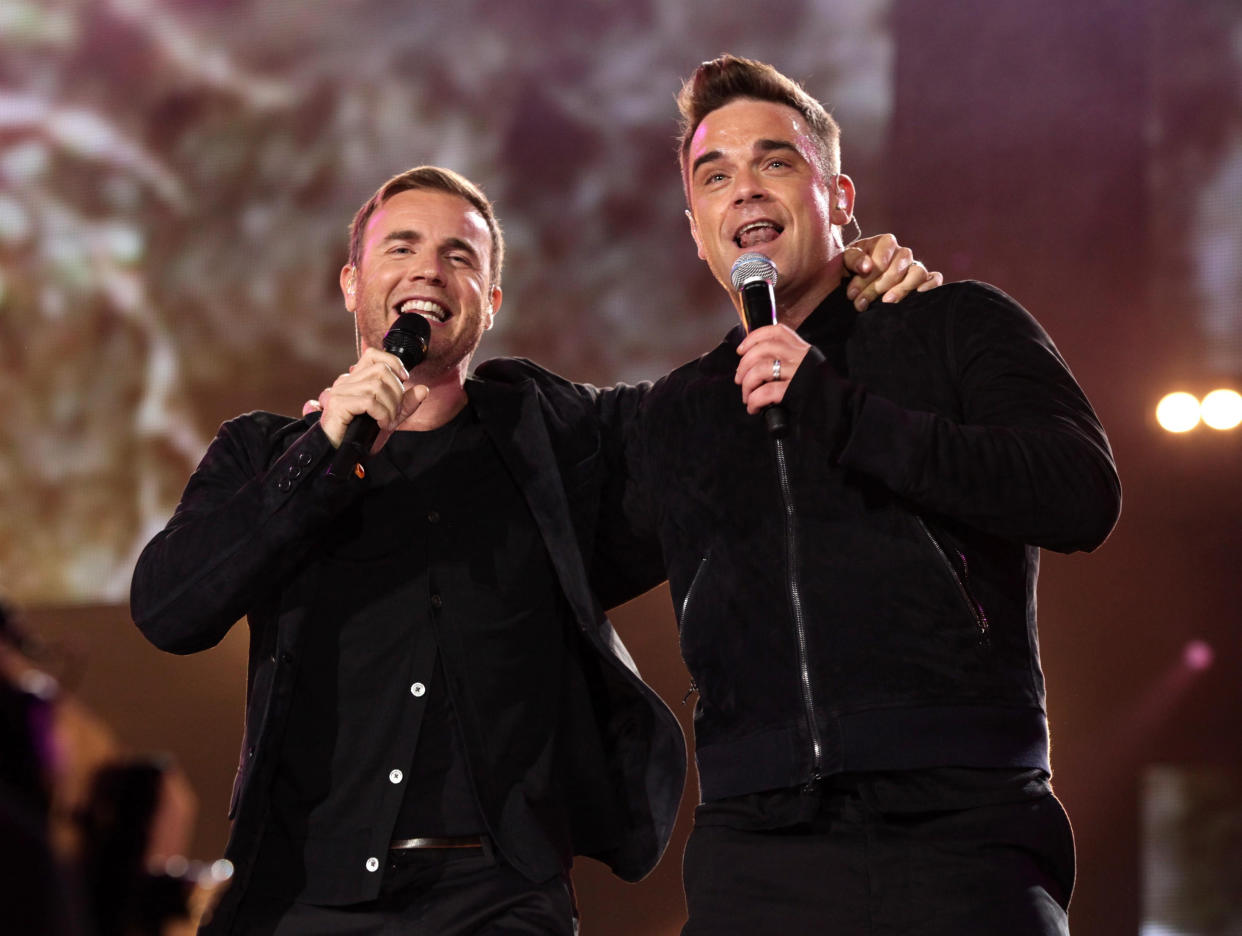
{"x":754,"y":277}
{"x":407,"y":339}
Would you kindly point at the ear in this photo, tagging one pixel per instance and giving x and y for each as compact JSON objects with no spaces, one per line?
{"x":842,"y":200}
{"x":490,"y":316}
{"x":349,"y":285}
{"x":694,"y":232}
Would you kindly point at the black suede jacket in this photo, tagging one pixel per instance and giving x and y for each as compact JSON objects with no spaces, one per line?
{"x":861,"y":594}
{"x":246,"y":538}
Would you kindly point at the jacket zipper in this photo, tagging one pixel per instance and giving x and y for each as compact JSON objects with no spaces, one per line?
{"x":976,"y":610}
{"x":685,"y":606}
{"x":795,"y":603}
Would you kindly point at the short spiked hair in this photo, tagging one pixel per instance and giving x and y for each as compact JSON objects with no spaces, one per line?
{"x":714,"y":84}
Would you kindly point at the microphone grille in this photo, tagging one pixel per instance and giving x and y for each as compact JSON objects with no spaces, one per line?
{"x":408,"y":339}
{"x":750,"y":267}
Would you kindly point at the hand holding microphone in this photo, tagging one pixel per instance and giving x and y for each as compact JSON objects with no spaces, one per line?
{"x":769,"y":358}
{"x":373,"y":389}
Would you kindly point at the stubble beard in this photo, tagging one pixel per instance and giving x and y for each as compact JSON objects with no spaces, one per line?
{"x":442,"y":359}
{"x":453,"y":357}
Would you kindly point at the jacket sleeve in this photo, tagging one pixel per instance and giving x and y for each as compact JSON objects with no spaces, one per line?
{"x":621,"y":561}
{"x":1023,"y":458}
{"x":243,"y":525}
{"x":627,"y":559}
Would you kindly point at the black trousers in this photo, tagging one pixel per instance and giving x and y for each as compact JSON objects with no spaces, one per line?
{"x":434,"y":892}
{"x":1003,"y":869}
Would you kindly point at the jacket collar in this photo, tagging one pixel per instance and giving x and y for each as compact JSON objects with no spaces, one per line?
{"x":832,"y":320}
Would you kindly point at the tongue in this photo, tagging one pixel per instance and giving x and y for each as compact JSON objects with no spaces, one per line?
{"x":760,"y":235}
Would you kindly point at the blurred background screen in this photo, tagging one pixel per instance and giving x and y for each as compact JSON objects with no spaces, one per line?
{"x":176,"y":181}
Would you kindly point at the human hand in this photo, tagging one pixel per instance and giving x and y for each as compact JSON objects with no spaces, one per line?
{"x":886,"y":269}
{"x":377,"y":385}
{"x":770,"y":356}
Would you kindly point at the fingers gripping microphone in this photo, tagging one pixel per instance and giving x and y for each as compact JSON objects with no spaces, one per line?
{"x":754,"y":277}
{"x":407,"y":339}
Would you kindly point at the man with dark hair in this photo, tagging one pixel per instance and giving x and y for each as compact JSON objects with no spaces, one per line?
{"x":439,"y":715}
{"x":856,"y":599}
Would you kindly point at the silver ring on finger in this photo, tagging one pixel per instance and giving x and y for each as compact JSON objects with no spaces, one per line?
{"x":776,"y":368}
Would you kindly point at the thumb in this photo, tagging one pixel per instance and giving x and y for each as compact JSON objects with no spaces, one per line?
{"x":412,"y":400}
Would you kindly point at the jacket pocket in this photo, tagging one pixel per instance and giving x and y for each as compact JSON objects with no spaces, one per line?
{"x":960,"y":576}
{"x":695,"y":584}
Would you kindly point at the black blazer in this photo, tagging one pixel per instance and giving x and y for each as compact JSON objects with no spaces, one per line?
{"x":242,"y":542}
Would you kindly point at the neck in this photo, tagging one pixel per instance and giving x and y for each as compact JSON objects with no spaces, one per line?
{"x":795,"y":303}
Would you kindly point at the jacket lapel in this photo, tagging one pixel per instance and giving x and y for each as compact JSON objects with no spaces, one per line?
{"x":513,"y":420}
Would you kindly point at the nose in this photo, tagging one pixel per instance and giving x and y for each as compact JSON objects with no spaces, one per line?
{"x":428,"y":267}
{"x":748,"y":187}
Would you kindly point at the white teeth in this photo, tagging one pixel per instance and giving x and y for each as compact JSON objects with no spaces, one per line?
{"x":429,"y":309}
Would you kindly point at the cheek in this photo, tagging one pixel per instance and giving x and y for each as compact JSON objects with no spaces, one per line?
{"x":376,"y":286}
{"x":821,"y":209}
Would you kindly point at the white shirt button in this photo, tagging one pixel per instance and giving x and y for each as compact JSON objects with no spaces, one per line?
{"x":395,"y":776}
{"x":418,"y":690}
{"x":372,"y":864}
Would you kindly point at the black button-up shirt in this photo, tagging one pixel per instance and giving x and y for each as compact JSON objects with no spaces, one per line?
{"x":372,"y":750}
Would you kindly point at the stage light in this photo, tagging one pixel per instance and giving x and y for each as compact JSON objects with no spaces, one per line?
{"x":1221,"y":409}
{"x":1178,"y":412}
{"x":1198,"y":655}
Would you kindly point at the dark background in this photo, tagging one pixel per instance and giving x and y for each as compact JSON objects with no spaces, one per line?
{"x":174,"y":263}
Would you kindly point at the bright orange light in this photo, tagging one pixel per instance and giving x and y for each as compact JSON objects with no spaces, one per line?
{"x":1221,"y":409}
{"x":1178,"y":412}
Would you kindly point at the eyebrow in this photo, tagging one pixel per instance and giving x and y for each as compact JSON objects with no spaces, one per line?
{"x":402,"y":236}
{"x":770,"y":146}
{"x":456,"y":243}
{"x":707,"y":157}
{"x":763,"y":146}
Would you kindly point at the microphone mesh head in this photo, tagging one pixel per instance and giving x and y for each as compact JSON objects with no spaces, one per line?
{"x":408,"y":339}
{"x":750,"y":267}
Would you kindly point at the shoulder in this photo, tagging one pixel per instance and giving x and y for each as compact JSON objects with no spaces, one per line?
{"x":512,"y":370}
{"x":964,"y":298}
{"x":961,"y":311}
{"x":516,"y":371}
{"x":253,"y":438}
{"x":716,"y":364}
{"x":975,"y":322}
{"x":261,"y":427}
{"x":499,"y":374}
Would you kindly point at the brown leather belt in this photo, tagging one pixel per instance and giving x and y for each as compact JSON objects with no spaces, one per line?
{"x":463,"y":841}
